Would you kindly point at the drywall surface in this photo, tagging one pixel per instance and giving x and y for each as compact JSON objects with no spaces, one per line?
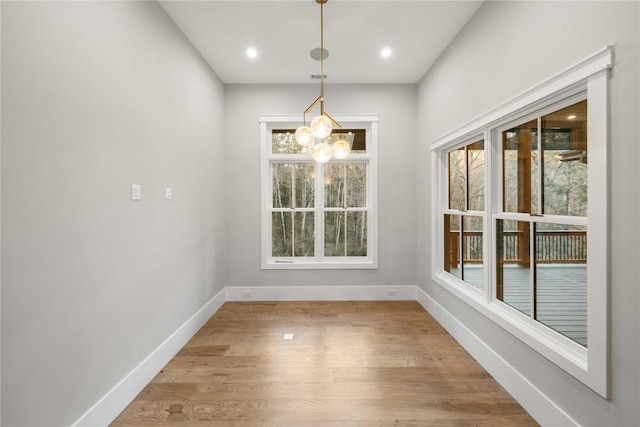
{"x":505,"y":49}
{"x":97,"y":96}
{"x":396,"y":107}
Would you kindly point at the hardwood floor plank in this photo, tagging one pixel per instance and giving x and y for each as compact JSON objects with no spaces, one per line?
{"x":184,"y":362}
{"x":198,"y":374}
{"x":291,"y":374}
{"x":288,"y":390}
{"x":203,"y":350}
{"x":399,"y":374}
{"x":350,"y":363}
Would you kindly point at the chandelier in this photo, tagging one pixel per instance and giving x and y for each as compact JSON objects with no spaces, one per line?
{"x":316,"y":136}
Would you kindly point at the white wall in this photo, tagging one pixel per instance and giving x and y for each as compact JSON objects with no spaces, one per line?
{"x":97,"y":96}
{"x":506,"y":48}
{"x":396,"y":107}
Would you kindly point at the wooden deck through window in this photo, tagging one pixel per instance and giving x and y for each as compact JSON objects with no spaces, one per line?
{"x":365,"y":364}
{"x":562,"y":295}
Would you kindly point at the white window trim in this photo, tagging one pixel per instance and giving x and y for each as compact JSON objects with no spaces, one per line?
{"x":589,"y":365}
{"x":368,"y":122}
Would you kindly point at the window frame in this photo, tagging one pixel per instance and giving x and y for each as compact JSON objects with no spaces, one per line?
{"x":268,"y":123}
{"x":589,"y":77}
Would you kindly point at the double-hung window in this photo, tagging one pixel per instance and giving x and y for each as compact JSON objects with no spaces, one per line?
{"x":541,"y":224}
{"x":520,"y":199}
{"x":318,"y":215}
{"x":464,"y":213}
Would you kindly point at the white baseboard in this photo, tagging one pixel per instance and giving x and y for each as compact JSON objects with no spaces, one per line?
{"x":321,"y":293}
{"x":532,"y":399}
{"x":112,"y":403}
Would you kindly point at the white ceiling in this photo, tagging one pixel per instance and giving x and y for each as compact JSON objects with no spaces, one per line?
{"x":284,"y":32}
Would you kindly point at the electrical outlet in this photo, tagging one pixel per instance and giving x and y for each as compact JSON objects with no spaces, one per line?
{"x":167,"y":193}
{"x":393,"y":293}
{"x":246,"y":293}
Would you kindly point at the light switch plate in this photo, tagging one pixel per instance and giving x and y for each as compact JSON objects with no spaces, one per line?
{"x":135,"y":192}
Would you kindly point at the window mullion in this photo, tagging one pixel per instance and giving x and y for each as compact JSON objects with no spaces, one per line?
{"x":344,"y":205}
{"x":461,"y":246}
{"x":532,"y":272}
{"x":319,"y":212}
{"x":492,"y":190}
{"x":344,"y":231}
{"x":293,"y":209}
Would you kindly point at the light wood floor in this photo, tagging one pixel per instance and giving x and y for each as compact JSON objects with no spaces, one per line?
{"x":349,"y":364}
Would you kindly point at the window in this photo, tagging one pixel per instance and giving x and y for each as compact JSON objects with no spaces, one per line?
{"x":463,"y":220}
{"x":522,"y":199}
{"x":541,"y":230}
{"x":318,"y":215}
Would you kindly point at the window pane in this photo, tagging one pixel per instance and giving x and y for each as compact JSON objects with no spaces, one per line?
{"x":334,"y":185}
{"x":535,"y":176}
{"x":564,"y":137}
{"x":452,"y":245}
{"x":334,"y":239}
{"x":305,"y":186}
{"x":475,"y":178}
{"x":513,"y":281}
{"x":281,"y":242}
{"x":472,"y":259}
{"x":304,"y":234}
{"x":356,"y":177}
{"x":519,"y":157}
{"x":281,"y":178}
{"x":355,"y":137}
{"x":284,"y":142}
{"x":356,"y":234}
{"x":457,"y":161}
{"x":561,"y":279}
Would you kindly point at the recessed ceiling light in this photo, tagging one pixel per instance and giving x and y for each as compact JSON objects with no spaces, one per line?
{"x":385,"y":52}
{"x":571,"y":117}
{"x":252,"y":53}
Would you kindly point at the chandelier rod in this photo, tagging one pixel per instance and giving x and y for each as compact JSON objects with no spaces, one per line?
{"x":321,"y":57}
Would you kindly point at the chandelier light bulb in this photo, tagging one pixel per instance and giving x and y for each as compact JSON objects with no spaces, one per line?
{"x":304,"y":136}
{"x":321,"y":152}
{"x":321,"y":127}
{"x":341,"y":149}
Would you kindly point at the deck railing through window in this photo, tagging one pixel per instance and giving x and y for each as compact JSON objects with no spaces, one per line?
{"x":552,"y":247}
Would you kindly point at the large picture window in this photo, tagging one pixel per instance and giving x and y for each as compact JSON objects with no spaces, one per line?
{"x":319,"y":215}
{"x":522,"y":199}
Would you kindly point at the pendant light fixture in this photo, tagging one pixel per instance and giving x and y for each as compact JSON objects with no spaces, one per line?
{"x":316,"y":135}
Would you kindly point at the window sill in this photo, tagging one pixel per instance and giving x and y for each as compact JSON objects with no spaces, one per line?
{"x":350,"y":264}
